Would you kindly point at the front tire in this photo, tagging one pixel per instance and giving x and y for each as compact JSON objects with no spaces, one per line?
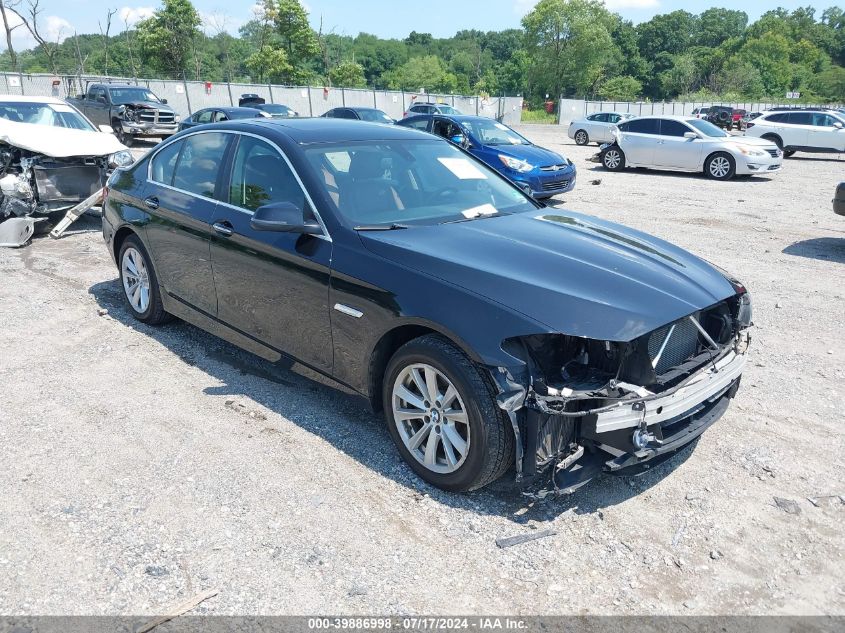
{"x":122,"y":136}
{"x":581,"y":137}
{"x":443,"y":417}
{"x":139,"y":283}
{"x":720,"y":166}
{"x":613,"y":159}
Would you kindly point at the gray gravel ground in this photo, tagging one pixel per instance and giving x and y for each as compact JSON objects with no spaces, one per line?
{"x":142,"y":465}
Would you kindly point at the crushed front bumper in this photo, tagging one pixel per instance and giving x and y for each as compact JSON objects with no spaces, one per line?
{"x":149,"y":129}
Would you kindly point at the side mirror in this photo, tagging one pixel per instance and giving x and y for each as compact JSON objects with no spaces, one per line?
{"x":838,"y":125}
{"x":283,"y":217}
{"x":458,"y":139}
{"x":691,"y":135}
{"x":106,"y":129}
{"x":164,"y":101}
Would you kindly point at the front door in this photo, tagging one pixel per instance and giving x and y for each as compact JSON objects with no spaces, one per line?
{"x":181,"y":197}
{"x":273,"y":287}
{"x":674,"y":149}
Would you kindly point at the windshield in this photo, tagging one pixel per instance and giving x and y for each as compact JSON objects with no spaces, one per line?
{"x":277,"y":110}
{"x":490,"y":132}
{"x":122,"y":96}
{"x":55,"y":114}
{"x":706,"y":128}
{"x":376,"y":116}
{"x":444,"y":109}
{"x":411,"y":182}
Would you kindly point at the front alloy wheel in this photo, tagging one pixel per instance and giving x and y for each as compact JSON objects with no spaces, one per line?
{"x":430,"y":418}
{"x":443,"y":416}
{"x":581,"y":137}
{"x":613,"y":159}
{"x":720,"y":167}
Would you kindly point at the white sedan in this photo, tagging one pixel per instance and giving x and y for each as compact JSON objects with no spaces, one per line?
{"x":687,"y":144}
{"x":596,"y":128}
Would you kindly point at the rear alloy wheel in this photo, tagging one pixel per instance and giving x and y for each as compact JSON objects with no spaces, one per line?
{"x":720,"y":166}
{"x":581,"y":137}
{"x":613,"y":159}
{"x":140,"y":285}
{"x":443,"y":417}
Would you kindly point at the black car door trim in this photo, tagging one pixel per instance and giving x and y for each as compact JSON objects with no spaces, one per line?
{"x":227,"y":167}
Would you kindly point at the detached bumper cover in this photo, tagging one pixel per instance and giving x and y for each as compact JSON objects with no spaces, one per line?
{"x":149,"y":129}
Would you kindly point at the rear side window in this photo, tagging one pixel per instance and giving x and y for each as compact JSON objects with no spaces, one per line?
{"x":261,"y":176}
{"x":800,"y":118}
{"x":418,"y":124}
{"x":673,"y":128}
{"x":204,"y":117}
{"x":164,"y":163}
{"x":643,"y":126}
{"x":777,"y":118}
{"x":198,"y":165}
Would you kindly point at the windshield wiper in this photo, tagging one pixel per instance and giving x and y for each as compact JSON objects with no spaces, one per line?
{"x":380,"y":227}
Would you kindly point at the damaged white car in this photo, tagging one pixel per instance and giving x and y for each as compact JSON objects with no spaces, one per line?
{"x":51,"y":159}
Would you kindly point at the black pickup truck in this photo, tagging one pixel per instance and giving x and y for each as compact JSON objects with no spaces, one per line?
{"x":131,"y":111}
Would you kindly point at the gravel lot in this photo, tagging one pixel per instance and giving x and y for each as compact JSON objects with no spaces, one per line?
{"x":143,"y":465}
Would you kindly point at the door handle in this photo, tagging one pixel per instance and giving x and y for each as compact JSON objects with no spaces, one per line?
{"x":151,"y":202}
{"x":223,"y":228}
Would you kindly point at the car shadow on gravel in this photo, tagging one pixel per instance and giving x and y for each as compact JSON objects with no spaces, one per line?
{"x":831,"y":249}
{"x":684,"y":175}
{"x":343,"y":419}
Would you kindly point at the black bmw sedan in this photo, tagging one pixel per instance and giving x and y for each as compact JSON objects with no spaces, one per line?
{"x":491,"y":330}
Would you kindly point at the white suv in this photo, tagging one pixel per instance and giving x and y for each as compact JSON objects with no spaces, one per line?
{"x":801,"y":130}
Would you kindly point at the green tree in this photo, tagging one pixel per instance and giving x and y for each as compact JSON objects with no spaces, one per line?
{"x":269,"y":64}
{"x":769,"y":54}
{"x":168,"y":38}
{"x":348,"y":74}
{"x":667,"y":33}
{"x":717,"y":25}
{"x":621,"y":89}
{"x":682,"y":77}
{"x":569,"y":45}
{"x":427,"y":73}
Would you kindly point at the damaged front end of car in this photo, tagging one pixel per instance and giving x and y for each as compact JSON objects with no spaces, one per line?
{"x":580,"y":407}
{"x":43,"y":188}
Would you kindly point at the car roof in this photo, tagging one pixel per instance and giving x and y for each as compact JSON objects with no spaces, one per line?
{"x":322,"y":130}
{"x":231,"y":109}
{"x":666,"y":117}
{"x":361,"y":109}
{"x":30,"y":99}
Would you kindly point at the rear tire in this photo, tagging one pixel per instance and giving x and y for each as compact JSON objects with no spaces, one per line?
{"x":122,"y":136}
{"x":774,"y":138}
{"x":720,"y":166}
{"x":461,"y":440}
{"x":581,"y":137}
{"x":139,"y":283}
{"x":613,"y":158}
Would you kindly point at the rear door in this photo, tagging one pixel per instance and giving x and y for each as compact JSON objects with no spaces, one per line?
{"x":599,"y":128}
{"x":273,"y":287}
{"x":796,"y":131}
{"x":674,"y":150}
{"x":639,"y":140}
{"x":184,"y":179}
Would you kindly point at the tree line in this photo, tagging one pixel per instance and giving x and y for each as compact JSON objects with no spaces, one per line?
{"x":570,"y":48}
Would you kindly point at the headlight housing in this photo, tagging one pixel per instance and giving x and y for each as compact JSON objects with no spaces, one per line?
{"x":751,"y":152}
{"x":177,"y":118}
{"x":516,"y":164}
{"x":122,"y":158}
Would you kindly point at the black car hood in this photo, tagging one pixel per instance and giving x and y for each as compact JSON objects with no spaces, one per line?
{"x":573,"y":273}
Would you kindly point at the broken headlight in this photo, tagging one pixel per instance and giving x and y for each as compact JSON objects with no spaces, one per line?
{"x":122,"y":158}
{"x":745,"y":313}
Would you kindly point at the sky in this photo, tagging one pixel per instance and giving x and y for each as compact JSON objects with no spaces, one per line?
{"x":385,"y":18}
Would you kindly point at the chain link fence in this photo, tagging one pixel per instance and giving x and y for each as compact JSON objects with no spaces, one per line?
{"x":186,"y":97}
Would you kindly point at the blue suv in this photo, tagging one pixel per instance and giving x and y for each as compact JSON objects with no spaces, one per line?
{"x":539,"y":172}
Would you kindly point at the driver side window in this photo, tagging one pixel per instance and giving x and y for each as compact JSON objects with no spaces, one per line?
{"x":261,"y":176}
{"x":204,"y":117}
